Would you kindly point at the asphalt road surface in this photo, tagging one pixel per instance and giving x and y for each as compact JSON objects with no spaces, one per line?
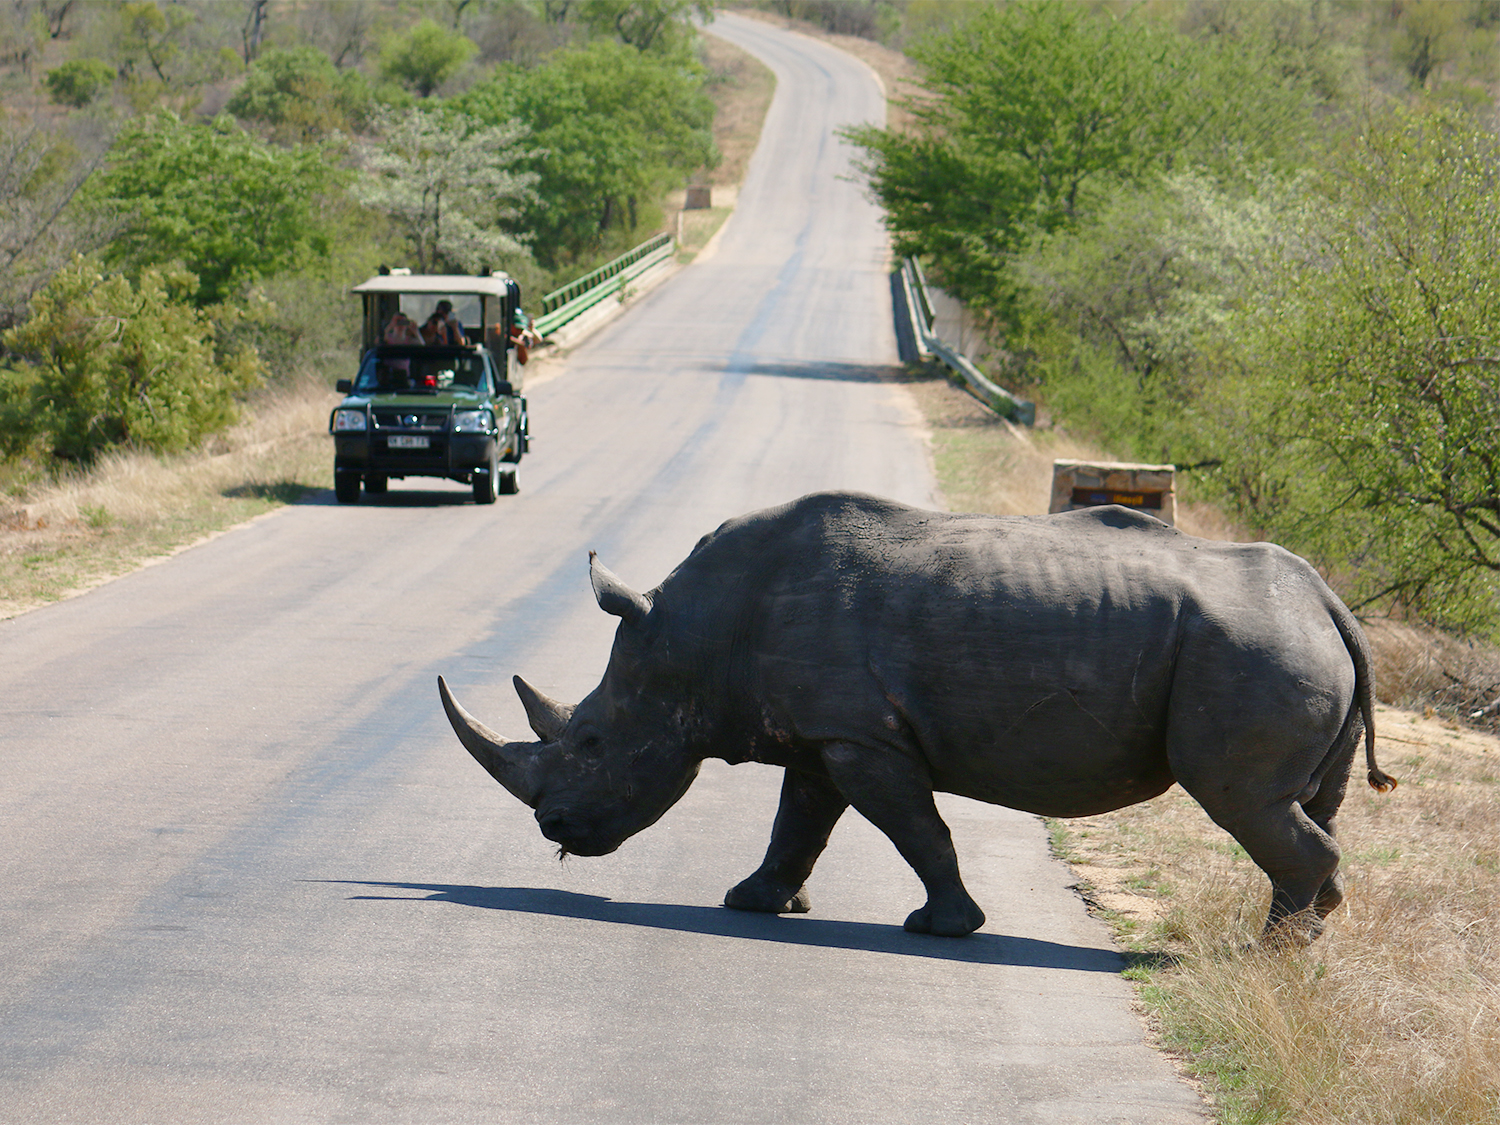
{"x":250,"y":875}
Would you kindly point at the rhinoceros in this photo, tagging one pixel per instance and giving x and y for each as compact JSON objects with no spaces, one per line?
{"x":1064,"y":665}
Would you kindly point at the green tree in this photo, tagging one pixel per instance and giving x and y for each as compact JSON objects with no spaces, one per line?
{"x":41,"y":173}
{"x":659,"y":26}
{"x":1373,"y":367}
{"x":452,"y":185}
{"x":211,"y":196}
{"x":301,"y":95}
{"x":425,"y":56}
{"x":103,"y":363}
{"x":1035,"y":110}
{"x":610,"y":127}
{"x":1430,"y":33}
{"x":79,"y":82}
{"x":152,"y":38}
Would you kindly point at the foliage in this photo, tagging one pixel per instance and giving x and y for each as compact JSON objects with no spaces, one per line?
{"x":1374,"y":368}
{"x":610,"y":128}
{"x":657,"y":26}
{"x":425,"y":57}
{"x":105,"y":363}
{"x":40,"y":173}
{"x":1431,"y":33}
{"x":211,"y":196}
{"x":79,"y":82}
{"x":1035,"y":110}
{"x":1130,"y":315}
{"x":452,"y":186}
{"x":301,"y":95}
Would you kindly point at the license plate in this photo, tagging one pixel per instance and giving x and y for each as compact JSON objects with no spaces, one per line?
{"x":403,"y":441}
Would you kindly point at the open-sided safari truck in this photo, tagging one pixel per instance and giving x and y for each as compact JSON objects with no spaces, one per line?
{"x":443,"y":409}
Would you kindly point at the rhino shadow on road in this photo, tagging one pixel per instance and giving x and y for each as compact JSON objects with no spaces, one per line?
{"x":983,"y":949}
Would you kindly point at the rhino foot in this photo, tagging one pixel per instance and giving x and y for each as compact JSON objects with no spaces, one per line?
{"x":767,"y":897}
{"x":951,"y":919}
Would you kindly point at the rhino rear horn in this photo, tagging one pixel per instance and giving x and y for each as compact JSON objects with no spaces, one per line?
{"x":614,"y":596}
{"x":547,"y":717}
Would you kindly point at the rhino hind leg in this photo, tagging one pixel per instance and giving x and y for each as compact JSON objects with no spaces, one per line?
{"x":894,"y":794}
{"x":1301,"y":860}
{"x":810,"y":807}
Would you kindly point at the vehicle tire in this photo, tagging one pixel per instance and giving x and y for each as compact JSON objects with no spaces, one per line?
{"x":377,"y":484}
{"x":510,"y":482}
{"x":487,"y":485}
{"x":346,"y":487}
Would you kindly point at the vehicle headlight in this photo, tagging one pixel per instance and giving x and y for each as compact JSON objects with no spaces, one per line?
{"x":349,"y":420}
{"x":473,"y":422}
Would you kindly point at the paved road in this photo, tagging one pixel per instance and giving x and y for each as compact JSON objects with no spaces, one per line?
{"x":249,"y":875}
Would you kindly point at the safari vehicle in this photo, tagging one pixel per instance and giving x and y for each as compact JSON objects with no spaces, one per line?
{"x":433,"y":410}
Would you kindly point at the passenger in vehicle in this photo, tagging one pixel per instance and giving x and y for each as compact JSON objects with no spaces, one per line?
{"x":442,"y":327}
{"x":402,"y":330}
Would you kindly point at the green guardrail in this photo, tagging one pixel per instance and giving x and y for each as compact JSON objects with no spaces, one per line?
{"x":919,"y":307}
{"x":577,"y":297}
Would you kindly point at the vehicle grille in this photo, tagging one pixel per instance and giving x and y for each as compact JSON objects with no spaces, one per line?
{"x":409,"y":419}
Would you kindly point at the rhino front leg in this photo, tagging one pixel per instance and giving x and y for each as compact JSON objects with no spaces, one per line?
{"x":893,"y":793}
{"x":810,"y":807}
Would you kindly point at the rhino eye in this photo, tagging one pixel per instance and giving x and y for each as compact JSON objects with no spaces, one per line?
{"x":588,"y":743}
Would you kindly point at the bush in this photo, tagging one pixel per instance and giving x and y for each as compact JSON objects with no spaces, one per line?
{"x":103,"y":362}
{"x":80,"y":82}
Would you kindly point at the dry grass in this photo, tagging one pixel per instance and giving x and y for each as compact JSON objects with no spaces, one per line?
{"x":130,"y":507}
{"x":1393,"y":1016}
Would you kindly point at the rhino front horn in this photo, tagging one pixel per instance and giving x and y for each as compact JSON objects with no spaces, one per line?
{"x":512,"y":764}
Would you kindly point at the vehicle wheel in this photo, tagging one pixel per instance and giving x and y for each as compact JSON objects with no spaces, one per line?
{"x":487,"y":485}
{"x":376,"y":484}
{"x":510,"y":482}
{"x":346,"y":487}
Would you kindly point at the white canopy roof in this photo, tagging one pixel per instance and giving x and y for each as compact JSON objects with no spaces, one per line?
{"x":445,"y":283}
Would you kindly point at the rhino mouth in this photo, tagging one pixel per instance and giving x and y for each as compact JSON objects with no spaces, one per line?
{"x":571,"y":838}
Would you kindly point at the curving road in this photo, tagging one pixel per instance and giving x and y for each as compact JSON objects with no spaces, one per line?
{"x":249,"y":875}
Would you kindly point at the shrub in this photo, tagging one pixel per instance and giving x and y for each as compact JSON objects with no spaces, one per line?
{"x":79,"y":82}
{"x":104,"y":362}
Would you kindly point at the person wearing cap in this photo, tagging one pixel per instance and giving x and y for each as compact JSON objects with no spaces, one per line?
{"x":521,"y":334}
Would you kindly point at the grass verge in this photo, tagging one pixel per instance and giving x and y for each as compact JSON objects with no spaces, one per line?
{"x":129,"y":508}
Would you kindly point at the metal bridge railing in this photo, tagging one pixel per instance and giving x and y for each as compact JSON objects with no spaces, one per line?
{"x":562,"y":305}
{"x":919,"y":307}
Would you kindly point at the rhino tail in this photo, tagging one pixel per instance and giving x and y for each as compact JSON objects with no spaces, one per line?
{"x":1364,"y":690}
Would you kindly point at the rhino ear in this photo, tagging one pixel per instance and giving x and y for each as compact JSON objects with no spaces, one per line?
{"x":614,"y":596}
{"x":547,"y":717}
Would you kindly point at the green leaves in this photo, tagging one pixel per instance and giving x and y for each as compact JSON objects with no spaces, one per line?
{"x":1396,"y":344}
{"x":610,"y":128}
{"x":229,"y":207}
{"x":79,"y":82}
{"x":105,"y":362}
{"x":1037,"y":111}
{"x":425,"y":57}
{"x":301,"y":95}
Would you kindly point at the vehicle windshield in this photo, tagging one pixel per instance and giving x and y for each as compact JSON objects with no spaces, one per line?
{"x":419,"y":370}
